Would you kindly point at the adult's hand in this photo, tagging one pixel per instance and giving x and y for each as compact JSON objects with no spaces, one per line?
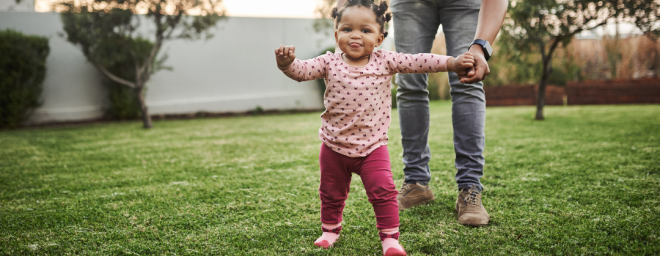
{"x":480,"y":70}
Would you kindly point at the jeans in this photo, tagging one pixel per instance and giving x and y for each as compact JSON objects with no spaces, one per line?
{"x":416,"y":23}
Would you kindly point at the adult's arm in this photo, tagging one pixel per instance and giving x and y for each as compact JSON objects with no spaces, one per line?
{"x":491,"y":17}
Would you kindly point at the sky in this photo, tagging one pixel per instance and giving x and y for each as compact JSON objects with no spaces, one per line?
{"x":271,"y":8}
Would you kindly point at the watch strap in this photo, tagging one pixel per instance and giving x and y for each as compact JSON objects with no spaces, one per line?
{"x":485,"y":46}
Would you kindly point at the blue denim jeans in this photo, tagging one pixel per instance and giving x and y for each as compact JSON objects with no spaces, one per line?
{"x":416,"y":23}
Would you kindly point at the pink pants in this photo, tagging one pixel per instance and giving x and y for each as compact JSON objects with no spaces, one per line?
{"x":376,"y":174}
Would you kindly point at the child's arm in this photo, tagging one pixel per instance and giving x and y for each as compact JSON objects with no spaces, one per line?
{"x":296,"y":69}
{"x":429,"y":63}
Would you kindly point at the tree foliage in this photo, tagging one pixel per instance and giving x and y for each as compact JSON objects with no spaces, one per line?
{"x":123,"y":103}
{"x":646,"y":16}
{"x":97,"y":27}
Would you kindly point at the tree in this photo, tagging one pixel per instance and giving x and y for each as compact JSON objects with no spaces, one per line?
{"x":97,"y":27}
{"x":544,"y":25}
{"x":646,"y":16}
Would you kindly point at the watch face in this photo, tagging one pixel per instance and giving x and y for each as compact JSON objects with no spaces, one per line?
{"x":485,"y":46}
{"x":490,"y":50}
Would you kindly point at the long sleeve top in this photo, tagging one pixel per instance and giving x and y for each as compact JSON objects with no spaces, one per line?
{"x":358,"y":100}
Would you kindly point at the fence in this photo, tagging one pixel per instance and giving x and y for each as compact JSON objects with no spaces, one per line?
{"x":522,"y":95}
{"x":638,"y":91}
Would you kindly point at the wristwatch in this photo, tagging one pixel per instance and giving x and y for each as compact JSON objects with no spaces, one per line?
{"x":485,"y":46}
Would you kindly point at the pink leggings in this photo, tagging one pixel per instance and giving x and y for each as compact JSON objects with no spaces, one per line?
{"x":376,"y":174}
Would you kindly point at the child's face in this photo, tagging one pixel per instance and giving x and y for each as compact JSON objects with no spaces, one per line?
{"x":358,"y":33}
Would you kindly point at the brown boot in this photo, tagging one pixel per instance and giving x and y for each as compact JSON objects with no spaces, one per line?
{"x":413,"y":194}
{"x":470,"y":210}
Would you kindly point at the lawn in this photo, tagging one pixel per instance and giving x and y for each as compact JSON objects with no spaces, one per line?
{"x":585,"y":181}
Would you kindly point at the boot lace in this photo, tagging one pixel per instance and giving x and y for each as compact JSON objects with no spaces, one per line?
{"x":472,"y":197}
{"x":404,"y":188}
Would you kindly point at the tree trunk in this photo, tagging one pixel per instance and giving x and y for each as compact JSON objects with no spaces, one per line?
{"x":146,"y":118}
{"x":540,"y":97}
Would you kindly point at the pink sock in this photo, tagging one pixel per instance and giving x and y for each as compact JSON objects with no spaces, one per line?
{"x":329,"y":236}
{"x":390,"y":240}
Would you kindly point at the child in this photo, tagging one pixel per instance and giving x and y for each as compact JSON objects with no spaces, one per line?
{"x":357,"y":113}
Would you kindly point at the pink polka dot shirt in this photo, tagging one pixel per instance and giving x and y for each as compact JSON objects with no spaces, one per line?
{"x":358,"y":100}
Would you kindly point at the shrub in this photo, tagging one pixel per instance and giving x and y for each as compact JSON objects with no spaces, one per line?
{"x":393,"y":98}
{"x":433,"y":88}
{"x":22,"y":72}
{"x":393,"y":90}
{"x":257,"y":110}
{"x":122,"y":101}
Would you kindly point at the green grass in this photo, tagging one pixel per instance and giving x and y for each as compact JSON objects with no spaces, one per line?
{"x":585,"y":181}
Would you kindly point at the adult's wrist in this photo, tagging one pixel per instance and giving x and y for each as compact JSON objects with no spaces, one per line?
{"x":484,"y":46}
{"x":476,"y":49}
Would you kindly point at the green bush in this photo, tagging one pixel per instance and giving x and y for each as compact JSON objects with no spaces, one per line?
{"x":393,"y":98}
{"x":438,"y":86}
{"x":434,"y":90}
{"x":22,"y":72}
{"x":122,"y":102}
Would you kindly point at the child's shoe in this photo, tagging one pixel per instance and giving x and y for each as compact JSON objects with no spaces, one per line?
{"x":329,"y":237}
{"x":391,"y":246}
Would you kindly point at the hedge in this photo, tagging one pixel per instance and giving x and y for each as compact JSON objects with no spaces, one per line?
{"x":22,"y":72}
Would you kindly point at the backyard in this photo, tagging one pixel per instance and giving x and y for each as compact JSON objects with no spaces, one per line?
{"x":585,"y":181}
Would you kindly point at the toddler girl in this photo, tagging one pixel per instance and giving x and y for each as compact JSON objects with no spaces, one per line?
{"x":357,"y":113}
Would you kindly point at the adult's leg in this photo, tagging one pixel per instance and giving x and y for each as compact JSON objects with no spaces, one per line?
{"x":459,"y":21}
{"x":335,"y":185}
{"x":376,"y":174}
{"x":416,"y":24}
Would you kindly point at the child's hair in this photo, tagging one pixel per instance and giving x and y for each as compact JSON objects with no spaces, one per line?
{"x":381,"y":17}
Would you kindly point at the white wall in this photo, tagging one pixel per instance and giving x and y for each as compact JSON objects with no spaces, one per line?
{"x":235,"y":71}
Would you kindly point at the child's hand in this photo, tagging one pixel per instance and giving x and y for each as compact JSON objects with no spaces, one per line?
{"x":285,"y":55}
{"x":462,"y":65}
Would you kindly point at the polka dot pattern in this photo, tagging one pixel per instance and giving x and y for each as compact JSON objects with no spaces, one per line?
{"x":358,"y":100}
